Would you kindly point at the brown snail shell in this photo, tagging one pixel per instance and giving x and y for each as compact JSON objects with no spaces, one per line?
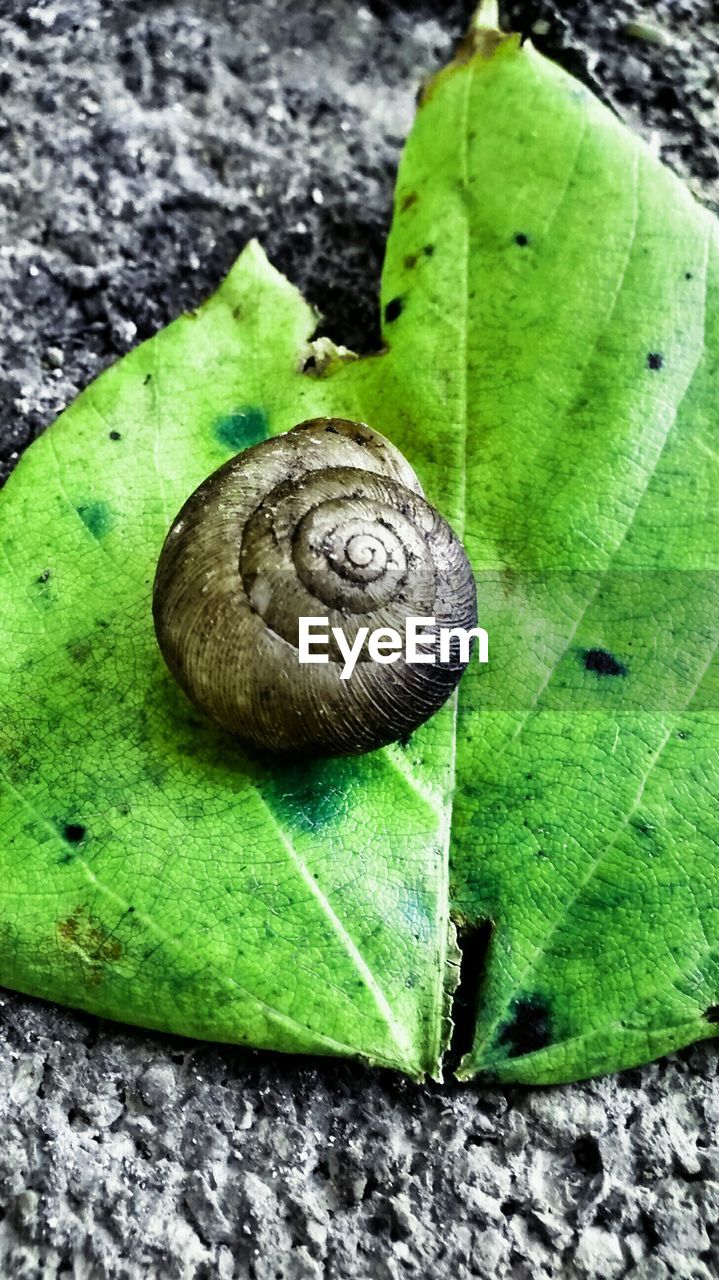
{"x":326,"y":521}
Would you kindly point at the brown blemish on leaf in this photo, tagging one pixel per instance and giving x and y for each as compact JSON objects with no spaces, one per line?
{"x":410,"y":261}
{"x":407,"y":201}
{"x":483,"y":43}
{"x":84,"y":936}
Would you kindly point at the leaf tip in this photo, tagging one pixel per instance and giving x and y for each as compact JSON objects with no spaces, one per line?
{"x":483,"y":41}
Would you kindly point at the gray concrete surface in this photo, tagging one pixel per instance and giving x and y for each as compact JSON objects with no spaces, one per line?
{"x":140,"y":145}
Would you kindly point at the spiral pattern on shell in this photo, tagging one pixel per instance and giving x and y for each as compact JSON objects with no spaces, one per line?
{"x":327,"y":521}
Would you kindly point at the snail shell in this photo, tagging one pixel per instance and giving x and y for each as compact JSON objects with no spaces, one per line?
{"x":327,"y":521}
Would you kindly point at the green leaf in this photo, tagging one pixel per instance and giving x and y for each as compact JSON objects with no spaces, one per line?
{"x":154,"y":872}
{"x":549,"y":299}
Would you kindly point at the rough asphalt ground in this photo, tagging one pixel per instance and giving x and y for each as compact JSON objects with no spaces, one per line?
{"x":141,"y":144}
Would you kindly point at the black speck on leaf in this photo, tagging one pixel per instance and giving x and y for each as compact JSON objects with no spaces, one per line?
{"x":603,"y":663}
{"x":74,"y":832}
{"x":146,"y":379}
{"x":712,"y":1013}
{"x":521,"y":239}
{"x":393,"y":310}
{"x":428,"y":250}
{"x":655,"y":360}
{"x":115,"y":435}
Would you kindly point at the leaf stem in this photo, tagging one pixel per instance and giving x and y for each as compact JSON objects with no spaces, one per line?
{"x":486,"y":15}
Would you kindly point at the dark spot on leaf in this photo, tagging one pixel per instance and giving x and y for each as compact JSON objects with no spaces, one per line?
{"x":655,"y":360}
{"x":147,"y":378}
{"x":429,"y":250}
{"x":97,"y":517}
{"x":245,"y":427}
{"x":408,"y":200}
{"x":529,"y":1027}
{"x":521,"y":239}
{"x":688,"y":275}
{"x":74,"y":832}
{"x":44,"y":575}
{"x":307,"y":800}
{"x":712,"y":1013}
{"x":603,"y":663}
{"x":410,"y":261}
{"x":79,"y":650}
{"x":393,"y":310}
{"x":683,"y":734}
{"x":115,"y":435}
